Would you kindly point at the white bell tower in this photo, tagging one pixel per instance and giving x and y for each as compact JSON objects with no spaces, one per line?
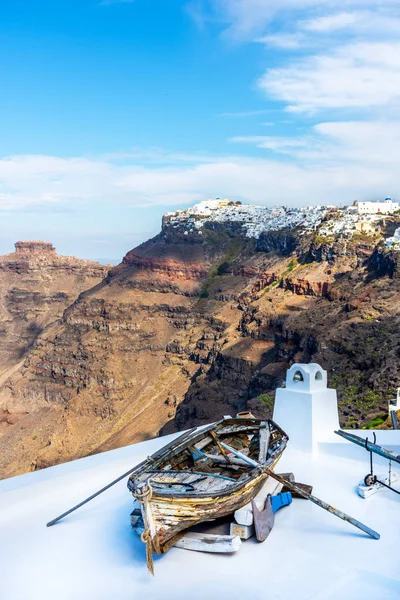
{"x":306,"y":408}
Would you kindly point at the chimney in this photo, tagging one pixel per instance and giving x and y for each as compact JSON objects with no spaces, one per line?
{"x":306,"y":408}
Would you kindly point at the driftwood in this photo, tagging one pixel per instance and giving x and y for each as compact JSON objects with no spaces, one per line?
{"x":302,"y":486}
{"x":291,"y":478}
{"x":207,"y":542}
{"x":264,"y":442}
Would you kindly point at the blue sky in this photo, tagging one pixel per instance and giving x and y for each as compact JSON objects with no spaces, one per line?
{"x":114,"y":112}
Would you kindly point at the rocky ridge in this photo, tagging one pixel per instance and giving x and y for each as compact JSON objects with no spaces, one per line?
{"x":190,"y":327}
{"x":36,"y":285}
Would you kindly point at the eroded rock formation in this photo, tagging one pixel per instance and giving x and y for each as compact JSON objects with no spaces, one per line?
{"x":36,"y":285}
{"x":191,"y":327}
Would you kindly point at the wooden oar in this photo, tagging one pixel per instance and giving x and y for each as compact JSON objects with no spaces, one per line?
{"x":136,"y":468}
{"x":304,"y":494}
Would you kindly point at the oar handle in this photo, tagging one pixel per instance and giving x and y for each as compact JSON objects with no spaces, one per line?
{"x":324,"y":505}
{"x":295,"y":488}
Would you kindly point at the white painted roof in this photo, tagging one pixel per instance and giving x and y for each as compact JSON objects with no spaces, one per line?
{"x":93,"y":553}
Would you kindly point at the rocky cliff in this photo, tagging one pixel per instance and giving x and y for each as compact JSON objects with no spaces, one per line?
{"x":194,"y":325}
{"x":36,"y":285}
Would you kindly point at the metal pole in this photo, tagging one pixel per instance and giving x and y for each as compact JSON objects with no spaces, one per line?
{"x":157,"y":454}
{"x":68,"y":512}
{"x":350,"y":437}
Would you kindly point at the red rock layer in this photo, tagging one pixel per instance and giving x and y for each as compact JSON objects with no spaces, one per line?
{"x":175,"y":269}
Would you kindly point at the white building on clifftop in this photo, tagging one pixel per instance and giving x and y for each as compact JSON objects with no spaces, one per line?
{"x":387,"y":207}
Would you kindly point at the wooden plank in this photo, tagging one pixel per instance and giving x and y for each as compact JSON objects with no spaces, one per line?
{"x":204,"y":442}
{"x":264,"y":443}
{"x":221,"y":459}
{"x":288,"y":476}
{"x":221,"y":449}
{"x":237,"y":429}
{"x":207,"y":542}
{"x":303,"y":486}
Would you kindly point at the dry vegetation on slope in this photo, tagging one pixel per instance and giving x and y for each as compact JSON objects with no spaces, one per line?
{"x":187,"y":329}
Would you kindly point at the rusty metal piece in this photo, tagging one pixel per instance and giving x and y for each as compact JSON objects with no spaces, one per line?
{"x":263,"y":519}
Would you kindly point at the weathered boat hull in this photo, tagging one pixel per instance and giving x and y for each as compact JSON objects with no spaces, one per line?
{"x":169,"y":517}
{"x":167,"y":513}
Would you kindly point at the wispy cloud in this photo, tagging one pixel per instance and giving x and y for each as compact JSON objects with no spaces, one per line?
{"x":331,"y":162}
{"x":372,"y":145}
{"x":365,"y":75}
{"x":287,"y":41}
{"x":248,"y":19}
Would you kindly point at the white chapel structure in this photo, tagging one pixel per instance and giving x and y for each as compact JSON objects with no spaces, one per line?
{"x":306,"y":408}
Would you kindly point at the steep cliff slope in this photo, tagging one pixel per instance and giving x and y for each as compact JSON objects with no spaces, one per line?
{"x":194,"y":325}
{"x":36,"y":285}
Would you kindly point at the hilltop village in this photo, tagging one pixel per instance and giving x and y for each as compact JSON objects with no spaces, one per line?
{"x":326,"y":220}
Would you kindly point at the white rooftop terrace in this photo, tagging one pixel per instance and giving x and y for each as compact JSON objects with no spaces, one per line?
{"x":309,"y":554}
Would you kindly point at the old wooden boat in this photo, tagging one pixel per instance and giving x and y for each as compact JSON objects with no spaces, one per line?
{"x":197,"y":480}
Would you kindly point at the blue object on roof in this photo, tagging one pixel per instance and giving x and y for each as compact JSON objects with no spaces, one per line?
{"x":281,"y":500}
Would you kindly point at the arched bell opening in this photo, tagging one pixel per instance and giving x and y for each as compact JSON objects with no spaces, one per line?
{"x":298,"y":376}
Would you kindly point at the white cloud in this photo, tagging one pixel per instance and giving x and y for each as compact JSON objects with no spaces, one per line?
{"x":332,"y":162}
{"x":286,"y":41}
{"x":355,"y":76}
{"x":247,"y":19}
{"x":279,"y":144}
{"x":371,"y":145}
{"x":332,"y":22}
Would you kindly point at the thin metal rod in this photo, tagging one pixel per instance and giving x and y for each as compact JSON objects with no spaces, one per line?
{"x":350,"y":437}
{"x":387,"y":486}
{"x":136,"y":468}
{"x":71,"y":510}
{"x":301,"y":492}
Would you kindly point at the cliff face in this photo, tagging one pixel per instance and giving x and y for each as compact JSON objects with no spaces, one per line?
{"x":192,"y":326}
{"x":36,"y":285}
